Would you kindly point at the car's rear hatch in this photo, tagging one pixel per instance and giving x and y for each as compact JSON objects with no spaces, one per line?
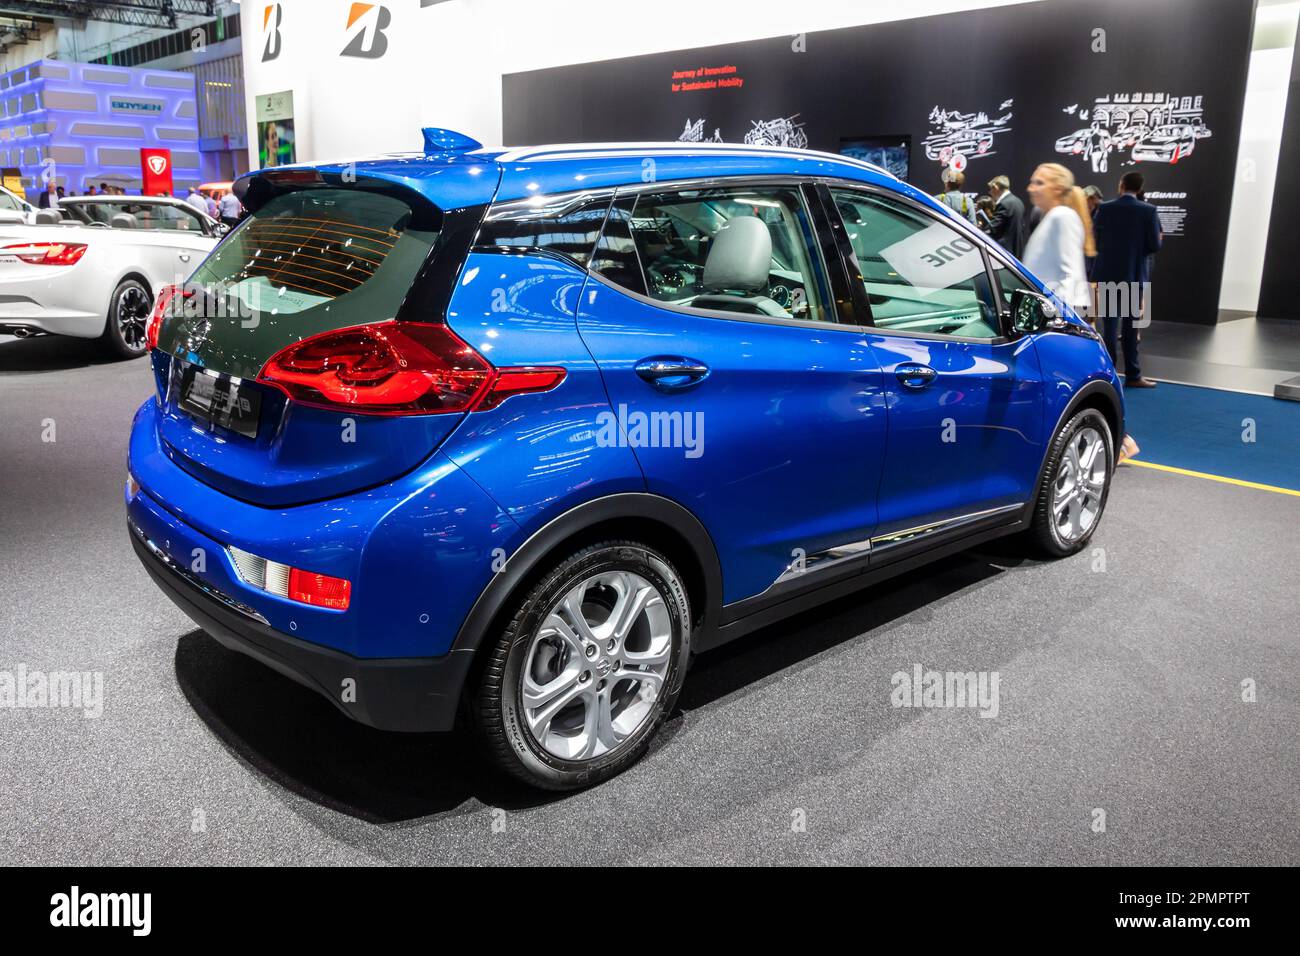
{"x":323,"y":249}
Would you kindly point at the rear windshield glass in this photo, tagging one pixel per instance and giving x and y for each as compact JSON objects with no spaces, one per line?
{"x":348,"y":252}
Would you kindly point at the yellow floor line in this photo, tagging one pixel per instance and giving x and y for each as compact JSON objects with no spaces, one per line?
{"x":1201,"y":474}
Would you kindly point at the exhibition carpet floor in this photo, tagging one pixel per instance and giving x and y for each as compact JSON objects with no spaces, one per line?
{"x":1121,"y":674}
{"x":1235,"y":435}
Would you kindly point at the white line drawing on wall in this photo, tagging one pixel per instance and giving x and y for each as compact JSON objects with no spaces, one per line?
{"x":972,"y":135}
{"x":782,"y":131}
{"x":1156,"y":127}
{"x":694,"y":132}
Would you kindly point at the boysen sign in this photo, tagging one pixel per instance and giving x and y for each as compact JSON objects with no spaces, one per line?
{"x":156,"y":171}
{"x":134,"y":106}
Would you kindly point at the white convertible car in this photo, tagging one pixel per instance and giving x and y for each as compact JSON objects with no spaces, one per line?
{"x":92,"y":268}
{"x":14,"y":207}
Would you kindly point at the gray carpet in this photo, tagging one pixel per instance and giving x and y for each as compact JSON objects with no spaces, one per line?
{"x":1120,"y":690}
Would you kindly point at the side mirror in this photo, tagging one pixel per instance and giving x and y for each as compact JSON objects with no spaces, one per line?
{"x":1031,"y":312}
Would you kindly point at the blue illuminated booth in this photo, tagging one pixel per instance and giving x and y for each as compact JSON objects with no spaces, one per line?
{"x":86,"y":123}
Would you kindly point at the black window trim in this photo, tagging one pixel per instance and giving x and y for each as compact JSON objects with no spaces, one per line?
{"x":850,"y":262}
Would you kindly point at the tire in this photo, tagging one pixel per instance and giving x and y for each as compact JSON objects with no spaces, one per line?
{"x":1066,"y":514}
{"x":541,"y":660}
{"x":128,"y":313}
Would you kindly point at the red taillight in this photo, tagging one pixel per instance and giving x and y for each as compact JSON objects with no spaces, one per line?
{"x":47,"y":253}
{"x":154,"y":325}
{"x":397,"y":368}
{"x":320,"y":590}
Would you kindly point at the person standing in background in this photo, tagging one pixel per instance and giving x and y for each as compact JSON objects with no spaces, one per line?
{"x":1006,"y":225}
{"x":1094,"y":197}
{"x":213,"y":209}
{"x":953,"y":197}
{"x":195,"y":199}
{"x":1128,"y":234}
{"x":231,"y":209}
{"x":1055,"y":252}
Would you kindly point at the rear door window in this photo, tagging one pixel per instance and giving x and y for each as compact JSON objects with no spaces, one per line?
{"x":748,"y":250}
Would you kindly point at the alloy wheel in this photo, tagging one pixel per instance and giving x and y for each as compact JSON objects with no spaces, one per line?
{"x":133,"y":309}
{"x":1080,"y":484}
{"x":596,"y":665}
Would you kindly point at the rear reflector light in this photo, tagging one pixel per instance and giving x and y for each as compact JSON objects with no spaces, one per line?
{"x":47,"y":253}
{"x":305,"y":587}
{"x":398,"y":368}
{"x":319,"y":589}
{"x":520,"y":381}
{"x":160,"y":312}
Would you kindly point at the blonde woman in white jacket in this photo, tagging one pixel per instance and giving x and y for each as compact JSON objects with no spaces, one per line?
{"x":1056,"y":248}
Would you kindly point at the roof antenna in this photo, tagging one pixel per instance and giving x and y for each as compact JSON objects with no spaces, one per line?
{"x":438,"y":140}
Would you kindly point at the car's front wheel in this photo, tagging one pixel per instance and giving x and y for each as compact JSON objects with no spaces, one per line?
{"x":1075,"y":485}
{"x":587,"y":668}
{"x":128,"y":314}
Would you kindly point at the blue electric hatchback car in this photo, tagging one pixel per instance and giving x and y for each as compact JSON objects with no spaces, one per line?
{"x":511,"y":435}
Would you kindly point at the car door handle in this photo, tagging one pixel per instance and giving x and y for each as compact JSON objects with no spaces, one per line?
{"x":913,"y":375}
{"x":671,"y":372}
{"x":185,"y":256}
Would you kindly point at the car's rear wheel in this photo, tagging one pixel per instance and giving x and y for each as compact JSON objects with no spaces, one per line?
{"x":1075,"y":485}
{"x":128,"y":314}
{"x":587,"y":668}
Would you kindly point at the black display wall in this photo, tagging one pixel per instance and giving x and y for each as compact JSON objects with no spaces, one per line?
{"x":1279,"y":294}
{"x":1006,"y":87}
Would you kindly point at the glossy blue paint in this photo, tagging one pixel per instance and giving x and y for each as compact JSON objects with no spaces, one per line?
{"x":795,"y":439}
{"x":537,"y":454}
{"x":417,"y":550}
{"x":968,"y":441}
{"x":300,"y":453}
{"x":778,"y":452}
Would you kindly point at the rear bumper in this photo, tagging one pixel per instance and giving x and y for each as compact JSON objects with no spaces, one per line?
{"x":58,"y":300}
{"x":400,"y":694}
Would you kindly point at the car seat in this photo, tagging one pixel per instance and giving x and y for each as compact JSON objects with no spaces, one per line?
{"x":739,"y":261}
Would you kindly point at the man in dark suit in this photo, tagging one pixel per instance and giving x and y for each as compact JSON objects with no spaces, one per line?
{"x":1127,"y":233}
{"x":1006,"y":225}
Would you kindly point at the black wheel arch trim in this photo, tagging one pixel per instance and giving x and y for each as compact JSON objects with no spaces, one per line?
{"x":1097,"y":386}
{"x":542,"y":544}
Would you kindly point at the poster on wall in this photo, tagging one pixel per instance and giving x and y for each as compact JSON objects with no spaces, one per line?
{"x":275,"y":138}
{"x":1102,"y":88}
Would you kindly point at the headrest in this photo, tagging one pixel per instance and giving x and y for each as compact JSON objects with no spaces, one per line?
{"x":48,"y":217}
{"x":122,"y":220}
{"x":740,"y":258}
